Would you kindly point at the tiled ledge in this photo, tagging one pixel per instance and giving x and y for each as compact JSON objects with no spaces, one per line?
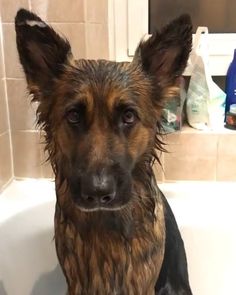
{"x":199,"y":155}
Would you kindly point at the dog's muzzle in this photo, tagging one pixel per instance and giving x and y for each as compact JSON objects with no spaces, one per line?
{"x":98,"y":190}
{"x":101,"y":190}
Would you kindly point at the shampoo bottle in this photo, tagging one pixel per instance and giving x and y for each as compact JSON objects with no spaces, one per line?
{"x":231,"y":84}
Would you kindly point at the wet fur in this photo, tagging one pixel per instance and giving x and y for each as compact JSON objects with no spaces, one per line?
{"x":133,"y":247}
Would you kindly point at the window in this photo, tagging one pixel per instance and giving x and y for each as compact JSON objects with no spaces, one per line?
{"x":135,"y":18}
{"x":218,"y":16}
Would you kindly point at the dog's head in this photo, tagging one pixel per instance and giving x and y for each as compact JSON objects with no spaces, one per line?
{"x":100,"y":117}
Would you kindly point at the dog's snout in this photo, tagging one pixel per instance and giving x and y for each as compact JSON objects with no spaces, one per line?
{"x":96,"y":199}
{"x":98,"y":189}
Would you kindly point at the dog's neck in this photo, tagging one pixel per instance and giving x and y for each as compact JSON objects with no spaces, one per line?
{"x":111,"y":252}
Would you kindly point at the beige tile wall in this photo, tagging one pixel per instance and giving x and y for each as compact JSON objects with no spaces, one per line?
{"x":6,"y":172}
{"x":194,"y":155}
{"x":226,"y":157}
{"x":84,"y":23}
{"x":96,"y":14}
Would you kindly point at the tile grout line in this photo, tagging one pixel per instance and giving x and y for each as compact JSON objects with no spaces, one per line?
{"x":26,"y":131}
{"x":60,"y":22}
{"x":30,"y":5}
{"x":6,"y":98}
{"x":12,"y":78}
{"x":217,"y":157}
{"x":111,"y":30}
{"x":5,"y":185}
{"x":85,"y":28}
{"x":4,"y":132}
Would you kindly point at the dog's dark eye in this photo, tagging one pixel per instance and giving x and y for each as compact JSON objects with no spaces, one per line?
{"x":73,"y":116}
{"x":129,"y":117}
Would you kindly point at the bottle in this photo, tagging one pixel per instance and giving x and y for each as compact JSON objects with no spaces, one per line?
{"x":231,"y":117}
{"x":230,"y":88}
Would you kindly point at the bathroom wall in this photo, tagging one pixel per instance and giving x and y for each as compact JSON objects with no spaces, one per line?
{"x":197,"y":155}
{"x":192,"y":155}
{"x":6,"y":172}
{"x":84,"y":23}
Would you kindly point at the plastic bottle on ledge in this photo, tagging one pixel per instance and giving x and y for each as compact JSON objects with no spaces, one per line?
{"x":230,"y":88}
{"x":231,"y":117}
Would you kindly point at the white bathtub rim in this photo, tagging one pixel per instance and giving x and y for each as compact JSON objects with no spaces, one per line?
{"x":23,"y":195}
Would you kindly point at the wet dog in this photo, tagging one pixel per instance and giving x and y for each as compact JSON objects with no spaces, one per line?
{"x":114,"y":230}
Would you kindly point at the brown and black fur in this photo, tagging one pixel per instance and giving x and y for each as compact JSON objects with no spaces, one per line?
{"x":114,"y":230}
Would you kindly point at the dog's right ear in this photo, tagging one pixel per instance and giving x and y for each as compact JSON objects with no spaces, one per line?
{"x":43,"y":53}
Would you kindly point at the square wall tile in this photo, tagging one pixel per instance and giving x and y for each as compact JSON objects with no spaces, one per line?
{"x":197,"y":144}
{"x":189,"y":168}
{"x":47,"y":171}
{"x":22,"y":111}
{"x":226,"y":157}
{"x":97,"y":41}
{"x":158,"y":168}
{"x":226,"y":168}
{"x":9,"y":8}
{"x":75,"y":33}
{"x":97,"y":11}
{"x":26,"y":154}
{"x":190,"y":156}
{"x":59,"y":10}
{"x":3,"y":109}
{"x":227,"y":145}
{"x":12,"y":63}
{"x":6,"y":172}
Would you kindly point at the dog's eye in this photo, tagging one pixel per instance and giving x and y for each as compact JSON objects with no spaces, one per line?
{"x":73,"y":116}
{"x":129,"y":117}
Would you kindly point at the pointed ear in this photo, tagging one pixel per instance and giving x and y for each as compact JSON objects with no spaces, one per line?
{"x":165,"y":54}
{"x":42,"y":52}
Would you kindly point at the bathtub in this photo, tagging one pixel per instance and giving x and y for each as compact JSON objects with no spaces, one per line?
{"x":205,"y":213}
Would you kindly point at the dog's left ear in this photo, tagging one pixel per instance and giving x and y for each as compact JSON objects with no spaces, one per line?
{"x":43,"y":53}
{"x":165,"y":54}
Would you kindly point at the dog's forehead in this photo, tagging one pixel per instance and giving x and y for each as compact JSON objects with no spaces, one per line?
{"x":106,"y":72}
{"x":107,"y":80}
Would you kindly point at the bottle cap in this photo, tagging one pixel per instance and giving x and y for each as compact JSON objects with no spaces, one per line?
{"x":232,"y":108}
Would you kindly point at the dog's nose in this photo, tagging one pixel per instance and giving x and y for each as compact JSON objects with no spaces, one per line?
{"x":98,"y":189}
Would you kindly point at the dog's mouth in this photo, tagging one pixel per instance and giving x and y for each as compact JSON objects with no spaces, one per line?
{"x":91,"y":204}
{"x":102,"y":194}
{"x":100,"y":208}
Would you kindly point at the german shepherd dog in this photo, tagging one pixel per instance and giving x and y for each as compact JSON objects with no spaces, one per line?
{"x":115,"y":233}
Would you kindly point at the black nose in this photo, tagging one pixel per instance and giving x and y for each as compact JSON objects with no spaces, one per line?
{"x":98,"y":189}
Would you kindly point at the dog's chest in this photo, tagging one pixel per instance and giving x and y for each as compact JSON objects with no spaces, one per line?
{"x":108,"y":263}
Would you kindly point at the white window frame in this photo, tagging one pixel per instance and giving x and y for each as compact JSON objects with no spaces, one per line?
{"x":129,"y":23}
